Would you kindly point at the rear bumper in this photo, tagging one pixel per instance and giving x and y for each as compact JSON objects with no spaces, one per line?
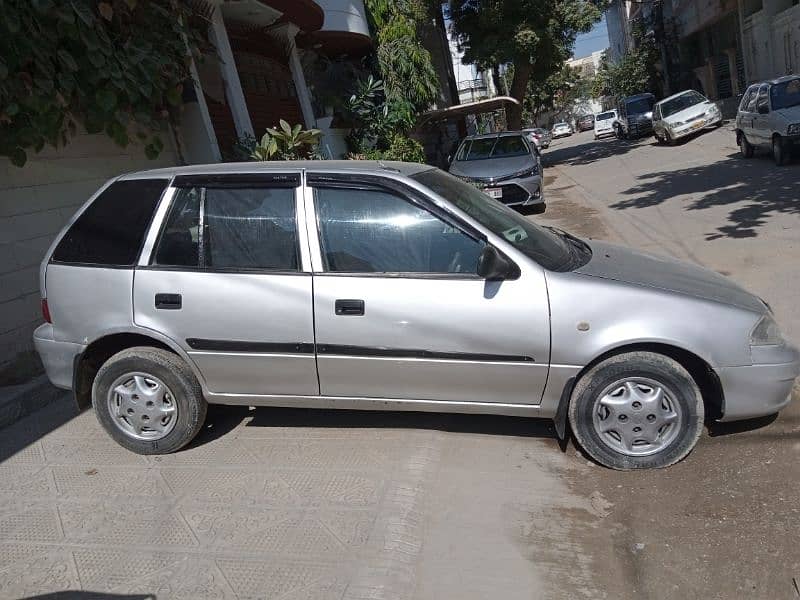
{"x":58,"y":357}
{"x":758,"y":390}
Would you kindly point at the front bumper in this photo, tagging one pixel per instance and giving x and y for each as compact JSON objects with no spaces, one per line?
{"x":760,"y":389}
{"x":689,"y":130}
{"x":58,"y":357}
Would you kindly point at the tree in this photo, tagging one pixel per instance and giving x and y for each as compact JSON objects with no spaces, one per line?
{"x":535,"y":36}
{"x":111,"y":66}
{"x":634,"y":74}
{"x":557,"y":92}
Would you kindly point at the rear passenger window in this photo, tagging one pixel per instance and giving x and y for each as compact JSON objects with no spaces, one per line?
{"x":230,"y":229}
{"x":111,"y":231}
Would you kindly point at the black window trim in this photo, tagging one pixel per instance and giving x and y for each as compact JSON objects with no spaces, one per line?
{"x":229,"y":181}
{"x":89,"y":203}
{"x":410,"y":195}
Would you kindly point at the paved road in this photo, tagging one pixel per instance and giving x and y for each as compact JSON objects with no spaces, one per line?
{"x":290,"y":504}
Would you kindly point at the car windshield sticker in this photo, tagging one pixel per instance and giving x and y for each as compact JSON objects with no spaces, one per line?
{"x":515,"y":234}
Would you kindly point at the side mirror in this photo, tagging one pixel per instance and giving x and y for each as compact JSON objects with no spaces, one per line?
{"x":763,"y":109}
{"x":492,"y":265}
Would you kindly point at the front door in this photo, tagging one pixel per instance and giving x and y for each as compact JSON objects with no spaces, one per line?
{"x":401,"y":313}
{"x":762,"y":131}
{"x":225,"y":280}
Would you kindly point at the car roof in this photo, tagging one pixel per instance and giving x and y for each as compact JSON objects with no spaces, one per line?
{"x":496,"y":134}
{"x":321,"y":166}
{"x":775,"y":81}
{"x":638,"y":96}
{"x":676,"y":95}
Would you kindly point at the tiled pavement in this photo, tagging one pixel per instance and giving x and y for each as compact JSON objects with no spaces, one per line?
{"x":283,"y":512}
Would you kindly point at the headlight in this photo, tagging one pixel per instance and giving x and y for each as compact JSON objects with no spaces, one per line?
{"x":677,"y":124}
{"x":525,"y":173}
{"x":766,"y":333}
{"x":794,"y":129}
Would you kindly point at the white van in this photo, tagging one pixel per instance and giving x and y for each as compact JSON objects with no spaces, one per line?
{"x":604,"y":123}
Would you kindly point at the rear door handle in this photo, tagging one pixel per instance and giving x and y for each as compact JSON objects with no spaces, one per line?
{"x":169,"y":301}
{"x":350,"y":307}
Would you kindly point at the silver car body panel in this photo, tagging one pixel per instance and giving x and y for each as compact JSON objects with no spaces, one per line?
{"x":562,"y":321}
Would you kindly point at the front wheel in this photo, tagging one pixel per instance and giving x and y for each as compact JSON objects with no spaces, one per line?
{"x":745,"y":148}
{"x":638,"y":410}
{"x":148,"y":400}
{"x":779,"y":152}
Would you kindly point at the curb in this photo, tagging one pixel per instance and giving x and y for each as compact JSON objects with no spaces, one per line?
{"x":17,"y":401}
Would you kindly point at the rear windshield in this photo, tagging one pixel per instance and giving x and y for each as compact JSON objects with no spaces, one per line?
{"x":682,"y":102}
{"x":500,"y":147}
{"x":605,"y":116}
{"x":110,"y":232}
{"x":786,"y":94}
{"x":637,"y":107}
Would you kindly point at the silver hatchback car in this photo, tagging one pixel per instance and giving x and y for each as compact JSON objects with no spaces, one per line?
{"x":388,"y":286}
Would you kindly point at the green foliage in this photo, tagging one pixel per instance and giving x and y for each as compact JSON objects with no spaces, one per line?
{"x":376,"y":120}
{"x":402,"y":148}
{"x":536,"y":36}
{"x":287,"y":143}
{"x":557,"y":92}
{"x":114,"y":66}
{"x":409,"y":77}
{"x":634,"y":74}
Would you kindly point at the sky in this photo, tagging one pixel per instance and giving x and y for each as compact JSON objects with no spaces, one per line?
{"x":596,"y":39}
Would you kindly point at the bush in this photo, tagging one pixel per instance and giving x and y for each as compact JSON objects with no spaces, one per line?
{"x":402,"y":148}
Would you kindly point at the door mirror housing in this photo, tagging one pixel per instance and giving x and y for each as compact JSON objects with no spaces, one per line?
{"x":494,"y":266}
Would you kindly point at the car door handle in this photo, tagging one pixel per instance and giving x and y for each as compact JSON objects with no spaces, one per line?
{"x":350,"y":307}
{"x":169,"y":301}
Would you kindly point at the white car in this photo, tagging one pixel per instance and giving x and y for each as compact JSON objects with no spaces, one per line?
{"x":604,"y":123}
{"x":561,"y":130}
{"x":684,"y":114}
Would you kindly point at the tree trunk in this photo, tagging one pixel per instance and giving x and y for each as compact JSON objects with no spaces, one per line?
{"x":522,"y":75}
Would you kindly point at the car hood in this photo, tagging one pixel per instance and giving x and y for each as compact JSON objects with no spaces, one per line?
{"x":492,"y":167}
{"x":617,"y":263}
{"x":690,"y":113}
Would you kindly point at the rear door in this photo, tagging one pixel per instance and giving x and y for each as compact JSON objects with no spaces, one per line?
{"x":400,"y":311}
{"x":226,"y":278}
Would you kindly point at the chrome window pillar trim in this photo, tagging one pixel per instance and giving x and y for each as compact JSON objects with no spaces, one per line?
{"x":304,"y":236}
{"x":312,"y":226}
{"x":155,"y":226}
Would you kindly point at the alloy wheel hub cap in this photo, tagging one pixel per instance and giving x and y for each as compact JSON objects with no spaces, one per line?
{"x":142,"y":406}
{"x":637,"y":416}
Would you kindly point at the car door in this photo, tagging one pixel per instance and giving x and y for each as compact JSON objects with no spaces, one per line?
{"x":658,"y":124}
{"x":762,"y":130}
{"x":400,"y":311}
{"x":227,"y":280}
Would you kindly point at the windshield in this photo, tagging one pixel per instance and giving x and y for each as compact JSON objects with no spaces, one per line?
{"x":605,"y":116}
{"x":682,"y":102}
{"x":553,"y":250}
{"x":505,"y":146}
{"x":560,"y":125}
{"x":640,"y":106}
{"x":786,"y":94}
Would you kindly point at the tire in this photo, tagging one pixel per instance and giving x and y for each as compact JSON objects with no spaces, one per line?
{"x":779,"y":153}
{"x":745,"y":148}
{"x":631,"y":375}
{"x":178,"y":407}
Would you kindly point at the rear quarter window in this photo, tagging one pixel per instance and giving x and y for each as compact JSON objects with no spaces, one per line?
{"x":111,"y":231}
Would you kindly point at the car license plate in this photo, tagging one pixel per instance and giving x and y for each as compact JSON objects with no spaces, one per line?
{"x":701,"y":123}
{"x":494,"y":192}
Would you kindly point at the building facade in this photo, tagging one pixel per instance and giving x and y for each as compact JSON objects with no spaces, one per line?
{"x":254,"y":77}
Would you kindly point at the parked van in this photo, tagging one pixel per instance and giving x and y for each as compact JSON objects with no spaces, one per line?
{"x":635,"y":117}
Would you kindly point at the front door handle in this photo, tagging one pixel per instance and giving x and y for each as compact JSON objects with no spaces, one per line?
{"x":350,"y":307}
{"x":169,"y":301}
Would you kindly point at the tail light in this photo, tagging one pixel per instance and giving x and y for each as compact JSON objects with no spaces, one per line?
{"x":46,"y":311}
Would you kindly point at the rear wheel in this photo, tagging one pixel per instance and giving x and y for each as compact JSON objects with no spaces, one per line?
{"x":148,"y":400}
{"x":745,"y":148}
{"x":637,"y":410}
{"x":779,"y":152}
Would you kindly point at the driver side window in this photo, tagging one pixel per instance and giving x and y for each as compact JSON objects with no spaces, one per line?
{"x":371,"y":230}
